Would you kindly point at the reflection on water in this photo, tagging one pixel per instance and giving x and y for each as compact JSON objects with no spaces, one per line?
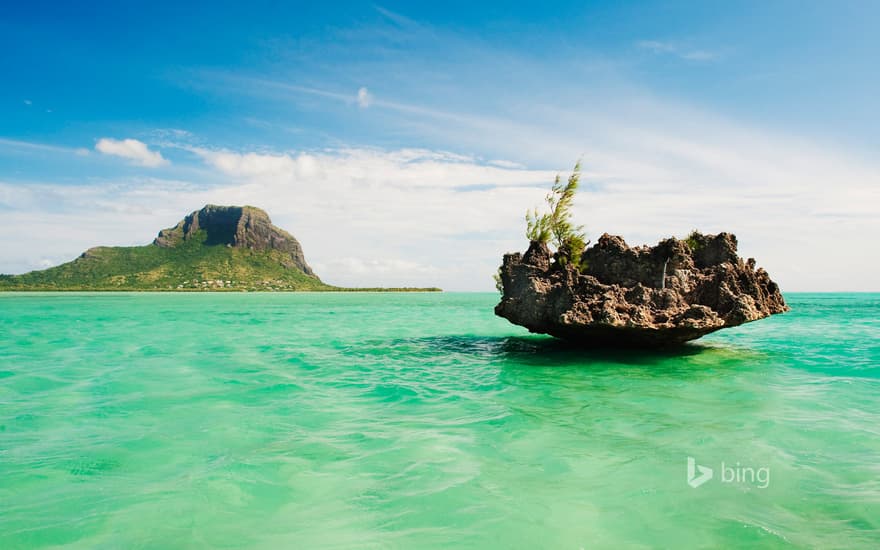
{"x":549,"y":352}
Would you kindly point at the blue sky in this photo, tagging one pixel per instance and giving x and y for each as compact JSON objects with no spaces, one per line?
{"x":402,"y":143}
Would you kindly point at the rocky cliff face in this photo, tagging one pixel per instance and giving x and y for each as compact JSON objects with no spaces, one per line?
{"x":642,"y":296}
{"x":236,"y":226}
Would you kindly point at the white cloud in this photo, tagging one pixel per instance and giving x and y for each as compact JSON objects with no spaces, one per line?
{"x":365,"y":217}
{"x":381,"y":272}
{"x":19,"y":145}
{"x":653,"y":169}
{"x":678,"y":50}
{"x":656,"y":46}
{"x":699,"y":55}
{"x":659,"y":168}
{"x":409,"y":168}
{"x":506,"y":164}
{"x":364,"y":98}
{"x":160,"y":136}
{"x":415,"y":217}
{"x":133,"y":150}
{"x":248,"y":164}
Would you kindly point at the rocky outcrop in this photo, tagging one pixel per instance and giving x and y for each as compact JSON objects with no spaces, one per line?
{"x":676,"y":291}
{"x":236,"y":226}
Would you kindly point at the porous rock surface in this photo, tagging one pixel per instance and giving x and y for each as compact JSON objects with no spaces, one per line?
{"x":236,"y":226}
{"x":620,"y":296}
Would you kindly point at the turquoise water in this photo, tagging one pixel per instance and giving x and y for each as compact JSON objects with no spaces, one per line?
{"x":423,"y":421}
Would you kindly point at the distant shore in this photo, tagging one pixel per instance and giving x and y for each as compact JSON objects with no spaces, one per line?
{"x":217,"y":290}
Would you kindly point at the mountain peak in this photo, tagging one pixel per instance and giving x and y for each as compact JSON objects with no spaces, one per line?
{"x":238,"y":227}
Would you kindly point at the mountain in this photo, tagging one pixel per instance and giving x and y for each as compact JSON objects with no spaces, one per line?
{"x":215,"y":248}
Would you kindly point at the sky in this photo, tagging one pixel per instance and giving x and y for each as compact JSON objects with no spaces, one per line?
{"x":402,"y":142}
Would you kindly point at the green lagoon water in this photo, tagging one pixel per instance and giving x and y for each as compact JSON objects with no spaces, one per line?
{"x":423,"y":421}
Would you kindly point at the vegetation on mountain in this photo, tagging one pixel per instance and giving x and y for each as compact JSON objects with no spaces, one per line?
{"x":217,"y":248}
{"x":191,"y":265}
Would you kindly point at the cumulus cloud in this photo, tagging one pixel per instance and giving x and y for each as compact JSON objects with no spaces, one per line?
{"x":135,"y":151}
{"x":258,"y":165}
{"x":364,"y":98}
{"x":417,"y":217}
{"x":401,"y":167}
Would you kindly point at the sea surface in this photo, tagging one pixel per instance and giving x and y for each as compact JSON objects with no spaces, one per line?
{"x":423,"y":421}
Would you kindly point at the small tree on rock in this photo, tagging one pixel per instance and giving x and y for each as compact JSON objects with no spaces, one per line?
{"x":569,"y":239}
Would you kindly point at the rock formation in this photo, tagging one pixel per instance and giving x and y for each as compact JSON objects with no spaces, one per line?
{"x":676,"y":291}
{"x":236,"y":226}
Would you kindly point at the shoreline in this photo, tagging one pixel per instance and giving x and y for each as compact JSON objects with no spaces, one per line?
{"x":226,"y":291}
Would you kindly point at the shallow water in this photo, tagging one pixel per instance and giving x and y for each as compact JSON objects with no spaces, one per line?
{"x":423,"y":421}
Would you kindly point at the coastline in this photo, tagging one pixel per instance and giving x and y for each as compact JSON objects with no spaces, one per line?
{"x":221,"y":290}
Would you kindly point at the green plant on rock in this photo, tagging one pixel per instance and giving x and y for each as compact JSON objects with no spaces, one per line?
{"x":537,"y":226}
{"x":556,"y":225}
{"x":694,"y":240}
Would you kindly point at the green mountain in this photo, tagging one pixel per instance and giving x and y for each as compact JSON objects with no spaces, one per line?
{"x":219,"y":248}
